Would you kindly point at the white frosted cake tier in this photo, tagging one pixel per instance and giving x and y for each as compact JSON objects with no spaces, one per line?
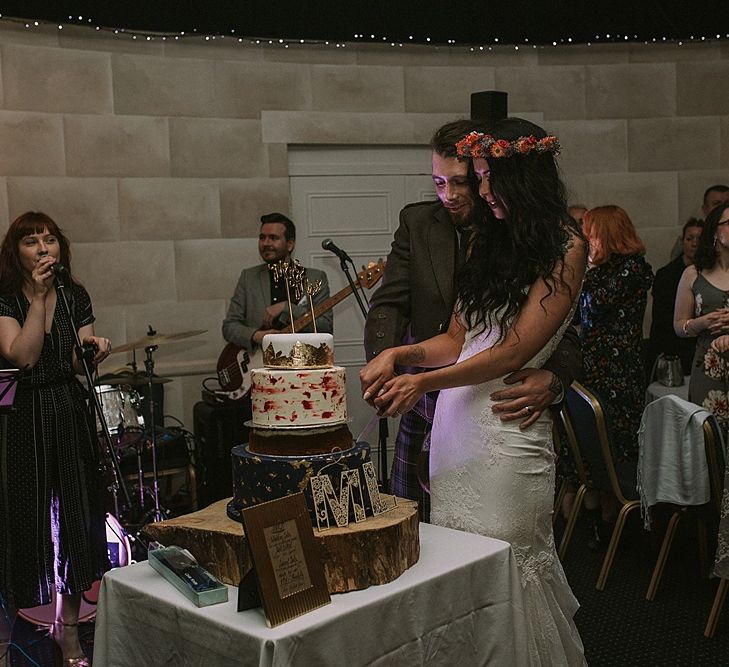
{"x":298,"y":350}
{"x":298,"y":397}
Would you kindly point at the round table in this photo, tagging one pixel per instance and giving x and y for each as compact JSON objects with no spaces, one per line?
{"x":656,"y":390}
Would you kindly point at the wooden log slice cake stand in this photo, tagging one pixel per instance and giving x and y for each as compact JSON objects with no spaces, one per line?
{"x":355,"y":557}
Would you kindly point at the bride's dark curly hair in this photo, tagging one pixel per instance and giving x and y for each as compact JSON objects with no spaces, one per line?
{"x":506,"y":256}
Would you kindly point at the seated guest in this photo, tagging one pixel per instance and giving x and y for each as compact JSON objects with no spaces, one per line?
{"x":663,"y":339}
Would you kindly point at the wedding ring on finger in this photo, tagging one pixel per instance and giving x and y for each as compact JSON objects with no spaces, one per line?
{"x":529,"y":410}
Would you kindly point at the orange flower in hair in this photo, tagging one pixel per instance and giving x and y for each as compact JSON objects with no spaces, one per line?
{"x":471,"y":145}
{"x":549,"y":143}
{"x":526,"y":144}
{"x":499,"y":148}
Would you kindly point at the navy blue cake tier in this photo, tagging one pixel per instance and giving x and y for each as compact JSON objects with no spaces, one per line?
{"x":258,"y":478}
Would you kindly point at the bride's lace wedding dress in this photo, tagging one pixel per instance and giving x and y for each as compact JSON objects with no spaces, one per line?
{"x":491,"y":478}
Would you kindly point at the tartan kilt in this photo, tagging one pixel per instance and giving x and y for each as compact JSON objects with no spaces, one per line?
{"x":408,"y":445}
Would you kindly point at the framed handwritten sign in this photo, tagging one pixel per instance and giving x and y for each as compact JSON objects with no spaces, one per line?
{"x":286,"y":558}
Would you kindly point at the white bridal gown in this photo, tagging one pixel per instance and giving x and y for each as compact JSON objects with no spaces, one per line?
{"x":492,"y":478}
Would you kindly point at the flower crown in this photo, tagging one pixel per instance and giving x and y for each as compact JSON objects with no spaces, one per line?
{"x":478,"y":144}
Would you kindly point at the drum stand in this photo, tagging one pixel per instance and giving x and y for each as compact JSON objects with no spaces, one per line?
{"x":156,"y":513}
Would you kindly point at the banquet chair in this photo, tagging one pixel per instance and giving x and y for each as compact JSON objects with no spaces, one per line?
{"x":566,"y":434}
{"x":713,"y":450}
{"x":718,"y":603}
{"x":721,"y":590}
{"x":590,"y":427}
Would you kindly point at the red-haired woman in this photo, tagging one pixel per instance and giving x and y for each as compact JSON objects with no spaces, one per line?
{"x":52,"y":521}
{"x":612,"y":306}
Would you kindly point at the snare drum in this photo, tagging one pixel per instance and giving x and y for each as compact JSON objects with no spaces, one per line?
{"x":122,"y":412}
{"x":120,"y":554}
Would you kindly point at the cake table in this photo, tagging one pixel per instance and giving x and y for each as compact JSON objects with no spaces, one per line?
{"x":356,"y":556}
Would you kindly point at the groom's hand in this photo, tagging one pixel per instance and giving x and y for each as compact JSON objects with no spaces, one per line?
{"x":531,"y":392}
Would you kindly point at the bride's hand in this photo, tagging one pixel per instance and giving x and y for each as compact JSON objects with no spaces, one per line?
{"x":374,"y":375}
{"x":398,"y":395}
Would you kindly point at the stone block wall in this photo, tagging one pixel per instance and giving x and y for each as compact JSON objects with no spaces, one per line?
{"x":158,"y":157}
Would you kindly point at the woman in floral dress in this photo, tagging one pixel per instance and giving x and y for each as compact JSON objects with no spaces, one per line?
{"x":702,"y":310}
{"x":612,"y":306}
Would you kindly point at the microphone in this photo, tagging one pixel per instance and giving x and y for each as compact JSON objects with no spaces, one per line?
{"x":59,"y":270}
{"x":329,"y":245}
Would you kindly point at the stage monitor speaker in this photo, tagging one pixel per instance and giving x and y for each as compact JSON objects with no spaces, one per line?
{"x":217,"y":428}
{"x":172,"y":450}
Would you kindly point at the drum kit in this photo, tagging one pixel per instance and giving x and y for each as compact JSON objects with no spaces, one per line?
{"x":120,"y":403}
{"x":121,"y":415}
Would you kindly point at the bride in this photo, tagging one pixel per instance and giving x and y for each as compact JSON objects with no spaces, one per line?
{"x":516,"y":295}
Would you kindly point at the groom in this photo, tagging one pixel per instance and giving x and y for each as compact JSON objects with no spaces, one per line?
{"x":416,"y":299}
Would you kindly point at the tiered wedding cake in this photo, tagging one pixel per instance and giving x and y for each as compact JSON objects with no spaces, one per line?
{"x":299,"y":429}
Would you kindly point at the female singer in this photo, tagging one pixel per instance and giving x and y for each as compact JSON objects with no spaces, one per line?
{"x":52,"y":519}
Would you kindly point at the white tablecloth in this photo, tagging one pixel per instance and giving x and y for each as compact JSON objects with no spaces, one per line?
{"x":461,"y":604}
{"x":656,"y":390}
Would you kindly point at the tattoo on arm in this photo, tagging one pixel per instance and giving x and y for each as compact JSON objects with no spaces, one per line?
{"x":555,"y":386}
{"x":415,"y":355}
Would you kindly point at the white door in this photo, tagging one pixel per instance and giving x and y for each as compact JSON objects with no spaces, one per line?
{"x":353,"y":195}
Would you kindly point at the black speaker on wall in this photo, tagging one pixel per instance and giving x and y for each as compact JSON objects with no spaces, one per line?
{"x":489,"y":105}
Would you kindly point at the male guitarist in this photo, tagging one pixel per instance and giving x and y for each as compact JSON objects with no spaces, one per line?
{"x":259,"y":305}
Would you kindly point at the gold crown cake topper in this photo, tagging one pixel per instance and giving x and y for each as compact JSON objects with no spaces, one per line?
{"x":297,"y":284}
{"x":302,"y":355}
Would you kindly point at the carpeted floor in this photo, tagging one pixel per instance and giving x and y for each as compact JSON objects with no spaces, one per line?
{"x":618,"y":625}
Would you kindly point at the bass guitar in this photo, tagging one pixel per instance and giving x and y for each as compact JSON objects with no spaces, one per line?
{"x":235,"y":362}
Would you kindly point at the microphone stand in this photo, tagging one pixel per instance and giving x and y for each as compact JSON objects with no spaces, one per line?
{"x":345,"y":268}
{"x":118,"y":481}
{"x":382,"y":426}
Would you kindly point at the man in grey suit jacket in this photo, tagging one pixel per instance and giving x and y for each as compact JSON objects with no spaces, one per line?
{"x":416,"y":299}
{"x":259,"y":305}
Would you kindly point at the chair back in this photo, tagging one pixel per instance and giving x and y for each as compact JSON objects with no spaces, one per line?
{"x":592,"y":434}
{"x":715,"y":459}
{"x":681,"y":458}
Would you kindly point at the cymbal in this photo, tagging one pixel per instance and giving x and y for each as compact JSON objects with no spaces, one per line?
{"x":135,"y":380}
{"x":156,"y":339}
